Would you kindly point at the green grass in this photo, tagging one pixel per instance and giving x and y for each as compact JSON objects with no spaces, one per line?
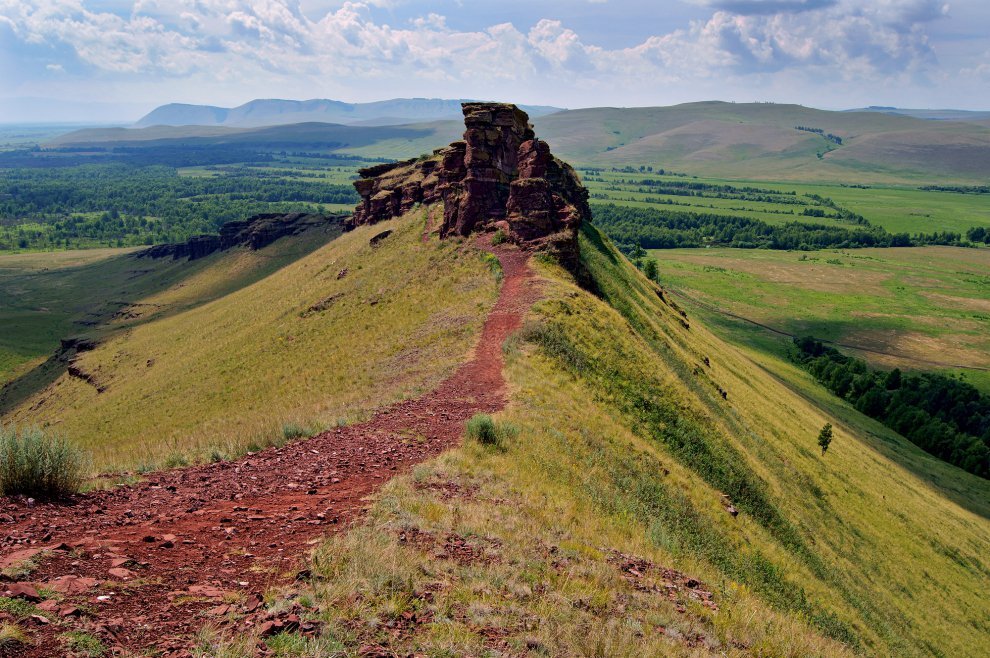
{"x":84,"y":644}
{"x":46,"y":296}
{"x":624,"y":450}
{"x":759,"y":140}
{"x":919,"y":308}
{"x":896,"y":209}
{"x":335,"y":333}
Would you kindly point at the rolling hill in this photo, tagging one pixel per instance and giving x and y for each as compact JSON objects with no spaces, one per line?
{"x":273,"y":111}
{"x":725,"y":140}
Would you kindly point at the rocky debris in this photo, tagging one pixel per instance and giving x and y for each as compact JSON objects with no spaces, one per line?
{"x":645,"y":576}
{"x":500,"y":176}
{"x":203,"y":541}
{"x":255,"y":232}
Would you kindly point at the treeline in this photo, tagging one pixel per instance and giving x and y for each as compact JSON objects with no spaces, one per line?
{"x":118,"y":203}
{"x":835,"y":139}
{"x":943,"y":416}
{"x":961,"y":189}
{"x":655,"y":228}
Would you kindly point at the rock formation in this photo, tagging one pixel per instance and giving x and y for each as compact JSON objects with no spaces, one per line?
{"x":500,"y":176}
{"x":256,"y":232}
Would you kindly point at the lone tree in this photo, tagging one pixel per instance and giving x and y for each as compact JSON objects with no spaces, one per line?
{"x":825,"y":437}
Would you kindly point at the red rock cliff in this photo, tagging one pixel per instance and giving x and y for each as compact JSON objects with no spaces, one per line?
{"x":499,"y":176}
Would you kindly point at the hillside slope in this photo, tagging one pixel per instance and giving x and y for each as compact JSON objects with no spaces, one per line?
{"x":327,"y":338}
{"x":602,"y":522}
{"x":727,"y":140}
{"x":759,"y":140}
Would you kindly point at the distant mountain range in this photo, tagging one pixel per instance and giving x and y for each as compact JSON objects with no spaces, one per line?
{"x":934,"y":115}
{"x":276,"y":112}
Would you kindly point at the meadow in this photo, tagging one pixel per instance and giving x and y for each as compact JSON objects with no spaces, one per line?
{"x":925,"y":308}
{"x":898,"y":209}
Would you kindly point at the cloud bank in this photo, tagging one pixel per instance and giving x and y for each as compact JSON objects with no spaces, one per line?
{"x":274,"y":48}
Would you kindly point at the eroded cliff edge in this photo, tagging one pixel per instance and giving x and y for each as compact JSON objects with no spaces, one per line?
{"x":500,"y":176}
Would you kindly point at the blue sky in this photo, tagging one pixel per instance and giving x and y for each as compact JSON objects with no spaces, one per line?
{"x":115,"y":59}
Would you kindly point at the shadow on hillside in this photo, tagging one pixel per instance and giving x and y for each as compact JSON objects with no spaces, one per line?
{"x":101,"y":297}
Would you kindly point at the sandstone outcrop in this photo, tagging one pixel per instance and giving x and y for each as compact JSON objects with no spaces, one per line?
{"x":256,"y":232}
{"x":500,"y":176}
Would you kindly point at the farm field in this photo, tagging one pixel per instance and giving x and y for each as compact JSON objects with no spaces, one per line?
{"x":896,"y":209}
{"x":922,"y":308}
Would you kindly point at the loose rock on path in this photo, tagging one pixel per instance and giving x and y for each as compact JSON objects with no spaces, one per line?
{"x":144,"y":566}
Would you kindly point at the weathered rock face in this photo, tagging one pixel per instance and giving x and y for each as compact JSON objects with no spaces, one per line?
{"x":499,"y":176}
{"x":256,"y":232}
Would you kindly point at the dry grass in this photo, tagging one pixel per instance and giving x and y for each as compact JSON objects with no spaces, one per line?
{"x":222,"y":377}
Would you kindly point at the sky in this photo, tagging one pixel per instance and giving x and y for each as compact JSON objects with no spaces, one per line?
{"x":117,"y":59}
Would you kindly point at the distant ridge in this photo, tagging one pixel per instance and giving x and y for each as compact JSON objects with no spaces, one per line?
{"x":274,"y":111}
{"x":931,"y":115}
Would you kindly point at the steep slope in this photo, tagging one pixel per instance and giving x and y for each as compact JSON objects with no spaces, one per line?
{"x":656,"y":491}
{"x":327,"y":338}
{"x":52,"y":297}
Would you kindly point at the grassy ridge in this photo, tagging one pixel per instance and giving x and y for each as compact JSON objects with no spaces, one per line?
{"x":615,"y":412}
{"x":329,"y":337}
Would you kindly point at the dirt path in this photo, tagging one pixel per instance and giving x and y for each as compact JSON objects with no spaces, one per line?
{"x":145,"y":566}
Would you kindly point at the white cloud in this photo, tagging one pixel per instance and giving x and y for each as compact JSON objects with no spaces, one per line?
{"x":273,"y":42}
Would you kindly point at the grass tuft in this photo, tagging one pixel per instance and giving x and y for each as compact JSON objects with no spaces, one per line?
{"x":38,"y":465}
{"x":291,"y":431}
{"x":84,"y":644}
{"x":11,"y":635}
{"x":483,"y":429}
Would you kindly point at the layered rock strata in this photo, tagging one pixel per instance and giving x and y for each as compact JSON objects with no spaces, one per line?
{"x":500,"y":176}
{"x":256,"y":232}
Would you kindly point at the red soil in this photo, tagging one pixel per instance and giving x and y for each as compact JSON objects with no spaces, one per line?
{"x":181,"y":542}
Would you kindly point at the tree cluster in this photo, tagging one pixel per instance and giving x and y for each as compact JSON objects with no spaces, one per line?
{"x":655,"y":228}
{"x":941,"y":415}
{"x":123,"y":204}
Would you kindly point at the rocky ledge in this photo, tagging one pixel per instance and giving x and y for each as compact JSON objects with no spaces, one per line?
{"x":255,"y":232}
{"x":500,"y":176}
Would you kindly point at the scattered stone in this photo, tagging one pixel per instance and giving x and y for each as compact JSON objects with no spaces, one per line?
{"x":22,"y":591}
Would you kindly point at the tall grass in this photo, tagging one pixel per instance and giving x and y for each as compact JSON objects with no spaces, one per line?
{"x":35,"y":464}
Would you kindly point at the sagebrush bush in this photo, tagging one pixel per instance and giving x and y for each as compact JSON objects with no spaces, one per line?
{"x":35,"y":464}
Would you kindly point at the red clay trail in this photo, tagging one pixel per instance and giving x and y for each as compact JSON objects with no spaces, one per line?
{"x":180,"y":543}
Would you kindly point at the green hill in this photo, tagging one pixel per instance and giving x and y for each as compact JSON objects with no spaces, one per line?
{"x":757,"y":140}
{"x":727,"y":140}
{"x":618,"y":479}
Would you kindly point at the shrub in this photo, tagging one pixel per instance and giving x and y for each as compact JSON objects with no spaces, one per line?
{"x":499,"y":237}
{"x":483,"y":429}
{"x":35,"y":464}
{"x":292,"y":431}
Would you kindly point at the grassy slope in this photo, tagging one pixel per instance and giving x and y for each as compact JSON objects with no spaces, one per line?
{"x":747,"y":140}
{"x":227,"y":374}
{"x":623,"y":443}
{"x":926,"y":304}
